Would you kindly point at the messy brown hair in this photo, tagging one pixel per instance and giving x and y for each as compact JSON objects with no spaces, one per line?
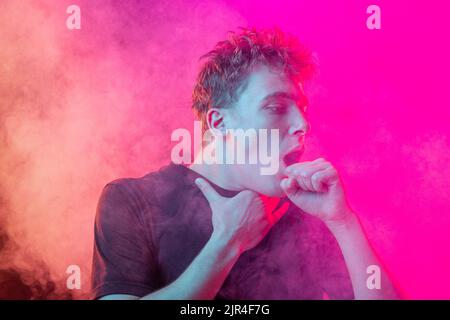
{"x":224,"y":69}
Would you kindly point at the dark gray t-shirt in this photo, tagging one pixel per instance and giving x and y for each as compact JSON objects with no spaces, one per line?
{"x":149,"y":229}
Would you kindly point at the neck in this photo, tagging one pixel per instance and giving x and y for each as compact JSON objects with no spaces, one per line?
{"x":223,"y":175}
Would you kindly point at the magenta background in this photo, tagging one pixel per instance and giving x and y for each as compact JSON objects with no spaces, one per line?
{"x":80,"y":108}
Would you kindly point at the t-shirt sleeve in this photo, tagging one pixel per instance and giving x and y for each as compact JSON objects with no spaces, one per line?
{"x":335,"y":279}
{"x":124,"y":259}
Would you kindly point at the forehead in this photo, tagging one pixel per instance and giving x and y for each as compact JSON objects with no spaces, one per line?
{"x":263,"y":81}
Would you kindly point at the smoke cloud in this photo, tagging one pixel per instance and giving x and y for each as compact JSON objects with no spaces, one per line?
{"x":79,"y":108}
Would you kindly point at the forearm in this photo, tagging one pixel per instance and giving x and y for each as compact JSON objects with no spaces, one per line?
{"x":204,"y":276}
{"x":358,"y":256}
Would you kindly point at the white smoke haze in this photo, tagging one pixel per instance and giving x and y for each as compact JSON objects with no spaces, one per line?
{"x":79,"y":108}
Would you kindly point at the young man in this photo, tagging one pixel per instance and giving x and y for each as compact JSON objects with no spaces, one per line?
{"x":224,"y":230}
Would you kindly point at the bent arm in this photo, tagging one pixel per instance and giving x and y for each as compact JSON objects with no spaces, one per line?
{"x":358,"y":256}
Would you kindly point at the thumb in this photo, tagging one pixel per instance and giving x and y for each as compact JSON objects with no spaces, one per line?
{"x":289,"y":186}
{"x":208,"y":191}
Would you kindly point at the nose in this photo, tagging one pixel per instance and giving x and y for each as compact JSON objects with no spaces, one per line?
{"x":298,"y":124}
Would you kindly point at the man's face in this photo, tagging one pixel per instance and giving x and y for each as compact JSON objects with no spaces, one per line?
{"x":270,"y":100}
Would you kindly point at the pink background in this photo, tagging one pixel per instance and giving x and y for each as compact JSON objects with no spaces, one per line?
{"x":79,"y":108}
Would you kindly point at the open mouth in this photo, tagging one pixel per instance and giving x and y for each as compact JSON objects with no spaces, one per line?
{"x":293,"y":156}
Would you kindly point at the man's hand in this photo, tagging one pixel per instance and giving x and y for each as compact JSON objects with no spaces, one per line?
{"x":315,"y":187}
{"x":243,"y":220}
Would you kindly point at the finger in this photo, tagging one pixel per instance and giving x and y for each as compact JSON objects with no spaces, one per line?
{"x":277,"y":214}
{"x":289,"y":186}
{"x":302,"y":183}
{"x":208,"y":191}
{"x":318,"y":161}
{"x":304,"y":174}
{"x":327,"y":177}
{"x":317,"y":181}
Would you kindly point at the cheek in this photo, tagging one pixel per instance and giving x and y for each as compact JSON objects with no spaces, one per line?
{"x":244,"y":117}
{"x":283,"y":127}
{"x":261,"y":119}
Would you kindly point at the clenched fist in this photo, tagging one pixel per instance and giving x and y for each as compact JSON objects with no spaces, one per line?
{"x":315,"y":187}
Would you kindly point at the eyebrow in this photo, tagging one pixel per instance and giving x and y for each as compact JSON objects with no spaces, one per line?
{"x":302,"y":99}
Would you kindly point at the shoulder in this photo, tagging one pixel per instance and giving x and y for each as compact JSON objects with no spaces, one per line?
{"x":134,"y":205}
{"x":155,"y":187}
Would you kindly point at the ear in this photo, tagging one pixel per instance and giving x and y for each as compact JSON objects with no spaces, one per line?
{"x":215,"y":118}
